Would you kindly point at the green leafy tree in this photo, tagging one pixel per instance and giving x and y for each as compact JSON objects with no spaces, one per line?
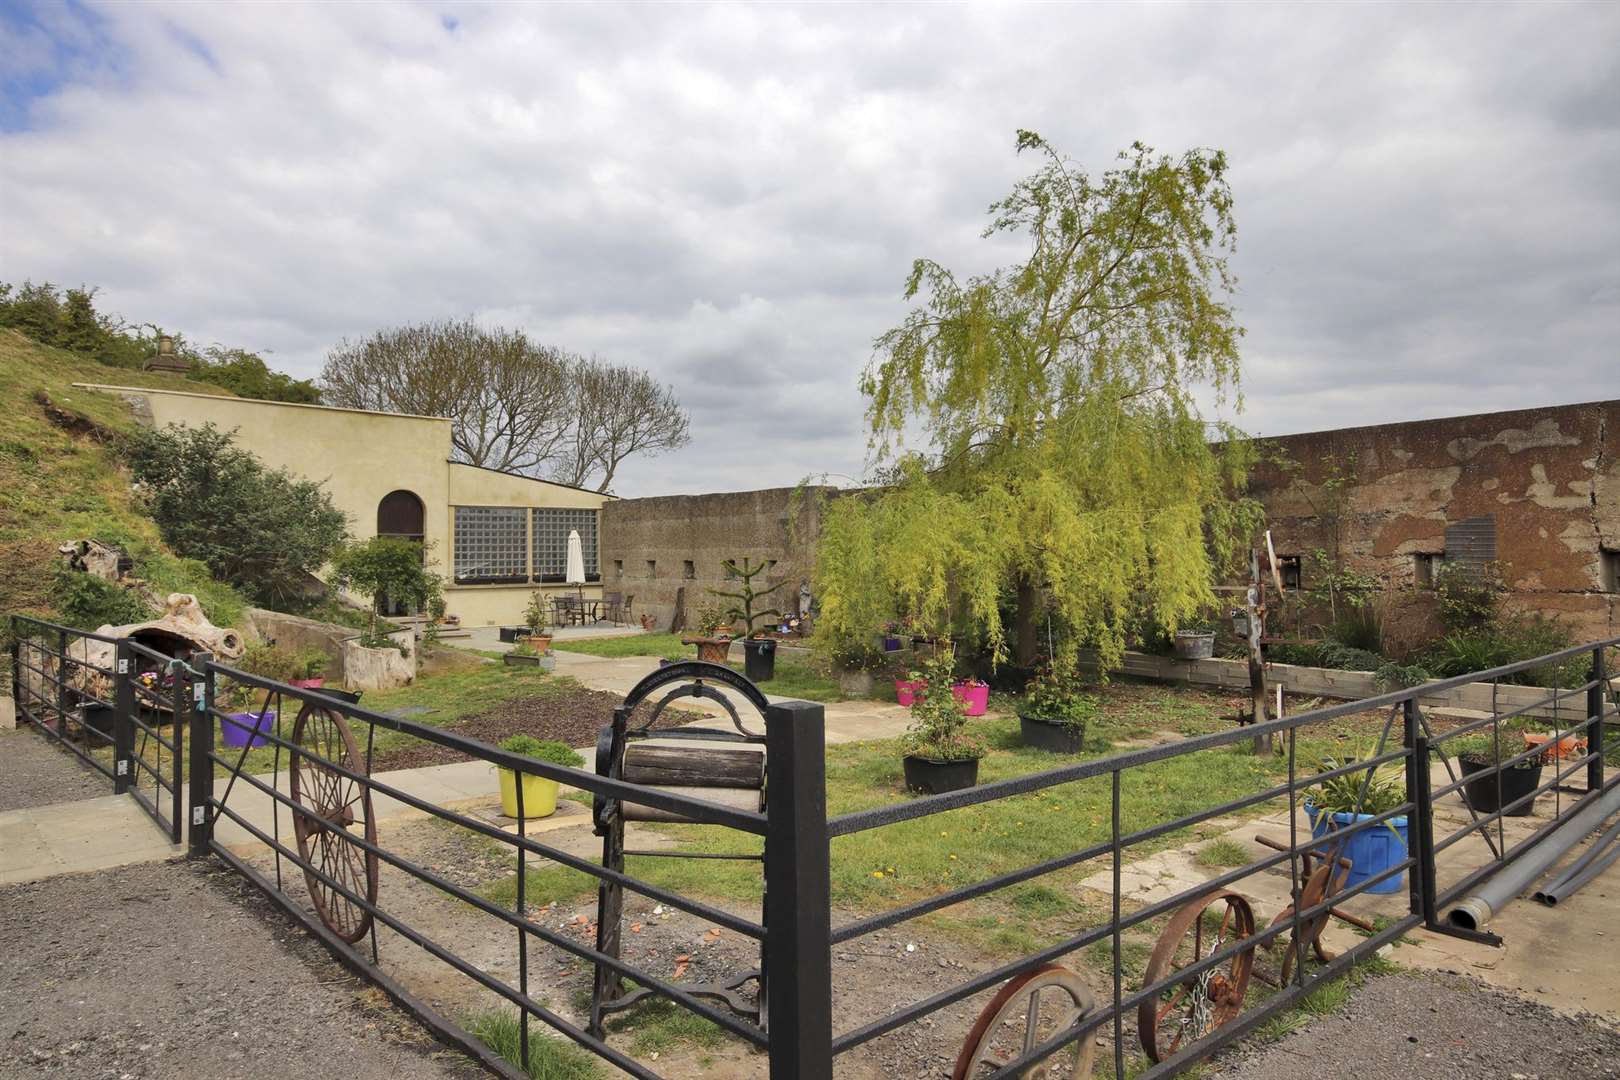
{"x":387,"y":567}
{"x":264,"y":531}
{"x":1069,"y":469}
{"x":245,"y":374}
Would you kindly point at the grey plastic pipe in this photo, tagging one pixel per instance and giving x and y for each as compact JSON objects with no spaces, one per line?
{"x":1475,"y":910}
{"x":1592,"y":862}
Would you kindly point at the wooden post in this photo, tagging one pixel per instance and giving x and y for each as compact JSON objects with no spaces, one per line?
{"x":1255,"y":605}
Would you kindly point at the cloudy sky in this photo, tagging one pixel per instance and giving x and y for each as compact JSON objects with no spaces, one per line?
{"x":1428,"y":197}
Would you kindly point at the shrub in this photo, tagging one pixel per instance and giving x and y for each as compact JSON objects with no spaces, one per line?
{"x":1056,"y":695}
{"x":1509,"y":640}
{"x":262,"y":530}
{"x":938,"y":719}
{"x":1346,"y":658}
{"x":1492,"y":748}
{"x":1393,"y":676}
{"x":87,"y":602}
{"x":1468,"y":594}
{"x":557,"y":753}
{"x":386,"y":566}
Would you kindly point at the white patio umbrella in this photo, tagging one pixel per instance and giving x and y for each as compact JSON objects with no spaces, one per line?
{"x":576,"y":559}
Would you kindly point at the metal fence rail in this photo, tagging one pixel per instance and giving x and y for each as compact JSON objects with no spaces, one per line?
{"x":297,"y":816}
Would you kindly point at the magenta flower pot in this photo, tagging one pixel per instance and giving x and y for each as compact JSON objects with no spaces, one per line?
{"x":308,"y":684}
{"x":906,"y":691}
{"x":975,"y":697}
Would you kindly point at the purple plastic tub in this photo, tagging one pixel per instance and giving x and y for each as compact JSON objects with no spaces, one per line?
{"x":243,"y":728}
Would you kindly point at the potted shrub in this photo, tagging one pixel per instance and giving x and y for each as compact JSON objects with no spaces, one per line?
{"x":537,"y":617}
{"x":1195,"y":642}
{"x":311,"y":670}
{"x":524,"y":655}
{"x":855,"y":663}
{"x":539,"y":793}
{"x":713,"y":638}
{"x":759,"y":652}
{"x":1482,"y":755}
{"x":1356,"y":796}
{"x":1055,"y":711}
{"x":940,"y":755}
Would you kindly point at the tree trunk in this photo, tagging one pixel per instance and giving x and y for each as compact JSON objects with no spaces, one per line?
{"x":1024,"y":623}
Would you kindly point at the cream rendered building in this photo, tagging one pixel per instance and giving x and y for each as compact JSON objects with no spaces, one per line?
{"x":493,"y":536}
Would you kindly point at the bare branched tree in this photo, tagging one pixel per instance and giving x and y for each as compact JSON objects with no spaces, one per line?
{"x":516,"y":405}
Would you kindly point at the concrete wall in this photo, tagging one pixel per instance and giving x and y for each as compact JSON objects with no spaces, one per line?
{"x":1550,"y":477}
{"x":359,"y":457}
{"x":705,"y":530}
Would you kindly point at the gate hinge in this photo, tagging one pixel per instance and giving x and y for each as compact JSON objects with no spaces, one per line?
{"x":199,"y":815}
{"x":123,"y":767}
{"x":123,"y":667}
{"x":197,"y":695}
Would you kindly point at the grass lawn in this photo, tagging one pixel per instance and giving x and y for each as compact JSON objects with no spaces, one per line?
{"x":667,"y":646}
{"x":795,"y":677}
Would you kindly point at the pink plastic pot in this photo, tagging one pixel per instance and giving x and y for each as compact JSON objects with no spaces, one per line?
{"x":975,"y":697}
{"x":906,"y":691}
{"x":308,"y":684}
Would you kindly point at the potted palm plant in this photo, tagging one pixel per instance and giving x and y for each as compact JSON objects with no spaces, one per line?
{"x":1056,"y":710}
{"x":1491,"y":779}
{"x":759,"y":652}
{"x":940,"y":755}
{"x":1356,"y":796}
{"x":539,"y":793}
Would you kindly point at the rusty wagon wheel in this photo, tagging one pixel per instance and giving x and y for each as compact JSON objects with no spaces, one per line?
{"x":1186,"y":1011}
{"x":1028,"y":1010}
{"x":1319,"y":886}
{"x":329,"y":803}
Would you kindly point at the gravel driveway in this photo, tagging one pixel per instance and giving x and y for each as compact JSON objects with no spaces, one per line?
{"x":34,"y":771}
{"x":1435,"y":1027}
{"x":179,"y":969}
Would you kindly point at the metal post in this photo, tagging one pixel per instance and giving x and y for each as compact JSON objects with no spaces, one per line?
{"x":1423,"y":830}
{"x":1596,"y":706}
{"x":200,"y":722}
{"x":16,"y":668}
{"x":798,"y":898}
{"x":123,"y":725}
{"x":62,"y":708}
{"x":178,"y":700}
{"x":1410,"y":724}
{"x":1254,"y":603}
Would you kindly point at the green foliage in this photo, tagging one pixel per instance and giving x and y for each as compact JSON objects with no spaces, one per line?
{"x":1372,"y":790}
{"x":88,"y":602}
{"x":245,"y":374}
{"x":1509,"y":639}
{"x":746,"y":594}
{"x":67,"y":319}
{"x":1486,"y":747}
{"x":1223,"y":853}
{"x":1469,"y":596}
{"x":1345,"y":658}
{"x":1057,"y":695}
{"x":558,"y":753}
{"x":1060,"y":397}
{"x":711,"y":620}
{"x":264,"y":531}
{"x":938,"y":727}
{"x":1393,"y":676}
{"x":537,"y":615}
{"x":386,"y":566}
{"x":550,"y":1058}
{"x":1360,"y":626}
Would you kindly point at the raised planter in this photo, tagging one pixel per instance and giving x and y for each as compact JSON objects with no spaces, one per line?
{"x":1049,"y":735}
{"x":759,"y":659}
{"x":548,"y":662}
{"x":855,"y":683}
{"x":539,"y":794}
{"x":1195,"y":645}
{"x":1479,"y":786}
{"x":1371,"y":850}
{"x":937,"y":777}
{"x":975,"y":697}
{"x":241,"y":729}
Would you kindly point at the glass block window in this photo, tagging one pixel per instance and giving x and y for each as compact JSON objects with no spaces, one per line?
{"x":551,"y":527}
{"x":490,"y":544}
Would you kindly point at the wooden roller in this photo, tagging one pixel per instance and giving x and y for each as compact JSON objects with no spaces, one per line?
{"x":734,"y":778}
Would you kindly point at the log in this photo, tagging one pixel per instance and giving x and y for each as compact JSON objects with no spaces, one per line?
{"x":695,"y":766}
{"x":751,"y":799}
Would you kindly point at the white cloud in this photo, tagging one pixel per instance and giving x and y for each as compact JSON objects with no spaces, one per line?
{"x":731,"y":196}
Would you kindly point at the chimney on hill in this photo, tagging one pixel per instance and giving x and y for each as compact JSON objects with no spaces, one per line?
{"x":167,"y":359}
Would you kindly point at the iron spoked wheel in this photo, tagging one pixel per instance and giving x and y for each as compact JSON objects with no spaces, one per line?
{"x":1028,"y":1010}
{"x":1318,"y":887}
{"x":330,"y":803}
{"x":1186,"y":1011}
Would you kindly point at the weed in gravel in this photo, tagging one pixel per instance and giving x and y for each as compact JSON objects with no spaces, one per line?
{"x":1223,"y":853}
{"x":656,"y":1025}
{"x":549,"y":1058}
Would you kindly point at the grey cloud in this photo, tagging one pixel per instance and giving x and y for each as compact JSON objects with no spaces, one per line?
{"x":731,"y":196}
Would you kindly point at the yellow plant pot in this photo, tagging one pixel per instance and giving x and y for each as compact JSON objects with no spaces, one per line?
{"x":539,"y":795}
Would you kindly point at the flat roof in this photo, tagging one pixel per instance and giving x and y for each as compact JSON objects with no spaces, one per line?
{"x":255,"y":401}
{"x":533,"y":479}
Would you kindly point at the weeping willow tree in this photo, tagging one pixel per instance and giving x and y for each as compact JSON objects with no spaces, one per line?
{"x":1068,"y":470}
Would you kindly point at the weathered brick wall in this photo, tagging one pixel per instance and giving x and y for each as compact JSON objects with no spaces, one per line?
{"x":1550,"y":477}
{"x":647,"y":545}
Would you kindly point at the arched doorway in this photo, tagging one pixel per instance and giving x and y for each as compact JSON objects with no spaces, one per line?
{"x":400,"y":515}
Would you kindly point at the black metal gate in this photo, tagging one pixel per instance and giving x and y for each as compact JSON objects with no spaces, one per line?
{"x":152,"y":691}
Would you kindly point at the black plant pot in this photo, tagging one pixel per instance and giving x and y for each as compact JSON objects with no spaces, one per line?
{"x":1046,"y":735}
{"x":1479,"y":786}
{"x":759,"y":659}
{"x":938,"y":777}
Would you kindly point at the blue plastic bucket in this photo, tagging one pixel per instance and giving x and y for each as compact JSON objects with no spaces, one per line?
{"x":1371,"y":851}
